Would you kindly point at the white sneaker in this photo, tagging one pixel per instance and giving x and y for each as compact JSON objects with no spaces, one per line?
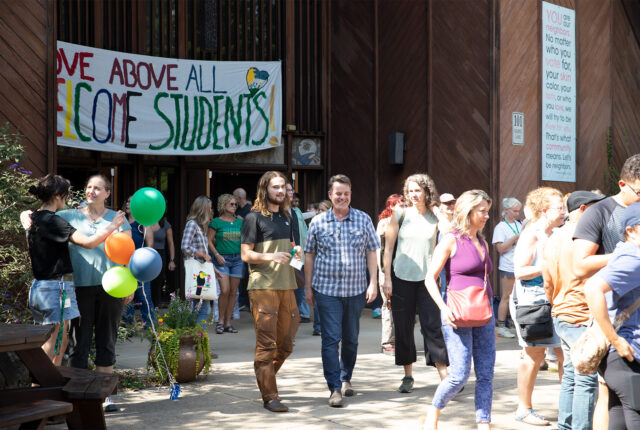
{"x":505,"y":332}
{"x":109,"y":406}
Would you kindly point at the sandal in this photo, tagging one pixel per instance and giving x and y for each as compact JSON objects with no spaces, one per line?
{"x":219,"y":329}
{"x":230,"y":329}
{"x":530,"y":417}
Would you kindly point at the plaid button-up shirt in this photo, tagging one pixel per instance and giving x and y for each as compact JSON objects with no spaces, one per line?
{"x":340,"y":249}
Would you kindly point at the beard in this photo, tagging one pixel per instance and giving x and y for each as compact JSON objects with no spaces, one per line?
{"x":277,"y":200}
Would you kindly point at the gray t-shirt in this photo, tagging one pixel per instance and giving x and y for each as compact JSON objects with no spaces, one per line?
{"x":160,"y":236}
{"x":416,"y":242}
{"x":601,"y":225}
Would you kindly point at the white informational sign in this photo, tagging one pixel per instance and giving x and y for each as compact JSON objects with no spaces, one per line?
{"x":118,"y":102}
{"x":558,"y":94}
{"x":517,"y":128}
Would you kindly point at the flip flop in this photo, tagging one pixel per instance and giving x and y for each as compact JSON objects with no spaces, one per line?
{"x":219,"y":329}
{"x":530,"y":417}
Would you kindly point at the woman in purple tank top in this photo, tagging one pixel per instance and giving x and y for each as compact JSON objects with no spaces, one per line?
{"x":463,"y":253}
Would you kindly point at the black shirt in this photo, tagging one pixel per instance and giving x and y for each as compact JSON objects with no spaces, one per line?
{"x":244,"y":210}
{"x":601,"y":224}
{"x":48,"y":240}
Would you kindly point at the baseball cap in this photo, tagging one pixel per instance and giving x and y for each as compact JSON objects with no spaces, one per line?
{"x":446,"y":197}
{"x":579,"y":198}
{"x":630,"y":216}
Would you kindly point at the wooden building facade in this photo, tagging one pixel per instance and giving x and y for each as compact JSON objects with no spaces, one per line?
{"x":446,"y":73}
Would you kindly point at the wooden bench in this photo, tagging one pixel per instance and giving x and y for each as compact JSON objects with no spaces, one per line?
{"x":87,"y":390}
{"x":33,"y":415}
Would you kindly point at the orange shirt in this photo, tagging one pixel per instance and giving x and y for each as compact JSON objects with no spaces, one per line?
{"x":569,"y":303}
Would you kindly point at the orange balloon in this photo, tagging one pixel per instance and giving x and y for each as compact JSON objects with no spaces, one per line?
{"x":119,"y":247}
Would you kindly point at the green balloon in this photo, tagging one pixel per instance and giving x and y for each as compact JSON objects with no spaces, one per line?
{"x":147,"y":206}
{"x":119,"y":282}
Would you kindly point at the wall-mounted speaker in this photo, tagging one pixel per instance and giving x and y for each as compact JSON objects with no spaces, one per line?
{"x":396,"y":147}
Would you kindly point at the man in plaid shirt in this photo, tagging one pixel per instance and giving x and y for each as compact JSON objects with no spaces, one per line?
{"x":341,"y":246}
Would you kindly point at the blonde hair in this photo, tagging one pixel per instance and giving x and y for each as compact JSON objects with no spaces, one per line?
{"x":539,"y":199}
{"x":223,"y":200}
{"x":262,"y":195}
{"x":464,"y":205}
{"x":200,"y":212}
{"x":327,"y":204}
{"x":426,"y":183}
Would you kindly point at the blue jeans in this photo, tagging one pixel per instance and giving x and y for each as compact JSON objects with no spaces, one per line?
{"x":138,"y":297}
{"x":463,"y":344}
{"x":303,"y":306}
{"x":316,"y":318}
{"x":203,"y":313}
{"x":577,"y":392}
{"x":340,"y":322}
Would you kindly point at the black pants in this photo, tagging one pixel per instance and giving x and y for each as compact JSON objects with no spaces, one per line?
{"x":100,"y":311}
{"x":623,"y":380}
{"x":407,"y":299}
{"x":158,"y":282}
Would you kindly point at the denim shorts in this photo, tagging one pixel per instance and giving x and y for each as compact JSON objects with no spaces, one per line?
{"x":44,"y":301}
{"x":233,"y":267}
{"x":509,"y":275}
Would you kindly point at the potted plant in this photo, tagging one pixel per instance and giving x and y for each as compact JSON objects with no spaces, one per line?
{"x":184,"y":343}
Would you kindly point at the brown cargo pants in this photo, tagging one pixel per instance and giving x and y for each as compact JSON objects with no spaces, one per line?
{"x":275,"y":320}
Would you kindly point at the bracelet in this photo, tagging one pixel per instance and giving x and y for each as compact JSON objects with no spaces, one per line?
{"x":171,"y":260}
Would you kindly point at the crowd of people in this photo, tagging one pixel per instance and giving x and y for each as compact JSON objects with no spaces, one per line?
{"x":572,"y":259}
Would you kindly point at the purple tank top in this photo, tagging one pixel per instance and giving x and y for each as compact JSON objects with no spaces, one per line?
{"x":466,"y":267}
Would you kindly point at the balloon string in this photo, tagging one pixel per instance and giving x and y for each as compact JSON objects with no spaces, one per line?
{"x":175,"y":388}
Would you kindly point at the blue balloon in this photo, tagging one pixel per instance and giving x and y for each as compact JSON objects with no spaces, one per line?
{"x":145,"y":264}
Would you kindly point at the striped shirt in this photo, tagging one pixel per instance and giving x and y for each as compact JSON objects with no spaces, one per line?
{"x":340,"y":248}
{"x":193,"y":240}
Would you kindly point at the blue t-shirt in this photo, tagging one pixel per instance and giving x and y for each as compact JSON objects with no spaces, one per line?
{"x":137,"y":234}
{"x":623,"y":276}
{"x":89,"y":264}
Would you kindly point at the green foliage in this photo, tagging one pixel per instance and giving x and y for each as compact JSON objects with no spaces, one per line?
{"x":179,"y":321}
{"x":15,"y":266}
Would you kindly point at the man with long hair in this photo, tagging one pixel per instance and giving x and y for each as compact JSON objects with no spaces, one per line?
{"x":267,"y":240}
{"x":341,"y":246}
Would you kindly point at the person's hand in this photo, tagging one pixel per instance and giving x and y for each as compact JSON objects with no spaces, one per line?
{"x":220,"y":259}
{"x":206,"y":256}
{"x":172,"y":266}
{"x":372,"y":292}
{"x":309,"y":296}
{"x":281,"y":257}
{"x":128,"y":299}
{"x":298,"y":254}
{"x":219,"y":274}
{"x":448,"y":317}
{"x":118,"y":220}
{"x":25,"y":219}
{"x":624,"y":349}
{"x":387,"y":288}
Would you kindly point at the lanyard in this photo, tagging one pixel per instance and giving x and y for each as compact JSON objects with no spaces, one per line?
{"x":515,"y":222}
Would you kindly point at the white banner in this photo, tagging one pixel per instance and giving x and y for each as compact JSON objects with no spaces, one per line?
{"x":558,"y":93}
{"x":118,"y":102}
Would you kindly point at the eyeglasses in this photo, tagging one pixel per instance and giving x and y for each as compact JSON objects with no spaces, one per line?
{"x":450,"y":203}
{"x":233,"y":204}
{"x":633,"y":189}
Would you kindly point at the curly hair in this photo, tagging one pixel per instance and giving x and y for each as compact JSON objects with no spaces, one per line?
{"x":200,"y":212}
{"x":392,"y":201}
{"x":223,"y":200}
{"x":631,"y":169}
{"x":262,"y":195}
{"x":426,"y":183}
{"x":464,"y":205}
{"x":539,"y":199}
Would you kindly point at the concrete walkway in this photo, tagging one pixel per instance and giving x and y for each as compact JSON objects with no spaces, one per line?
{"x":228,"y":397}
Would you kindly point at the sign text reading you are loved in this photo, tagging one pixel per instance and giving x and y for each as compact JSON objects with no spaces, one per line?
{"x":119,"y":102}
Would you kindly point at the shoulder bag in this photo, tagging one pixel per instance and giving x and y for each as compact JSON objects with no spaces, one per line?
{"x":470,"y":306}
{"x":534,"y":320}
{"x":592,"y":345}
{"x":200,"y":278}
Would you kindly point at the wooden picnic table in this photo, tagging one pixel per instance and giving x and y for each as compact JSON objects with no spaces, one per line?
{"x":84,"y":388}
